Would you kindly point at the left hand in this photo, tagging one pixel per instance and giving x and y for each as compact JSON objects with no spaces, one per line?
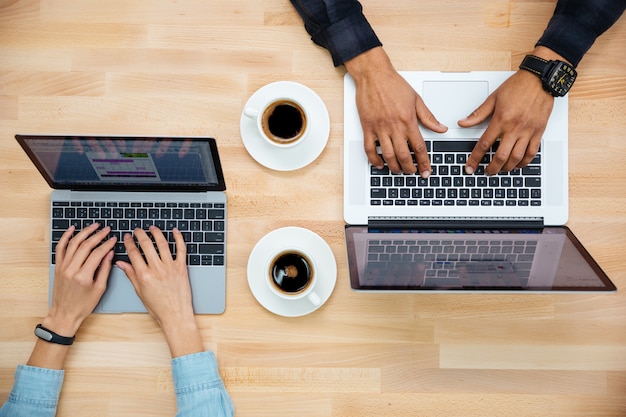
{"x":520,"y":109}
{"x":80,"y":277}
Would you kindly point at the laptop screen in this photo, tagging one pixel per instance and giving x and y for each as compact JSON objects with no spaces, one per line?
{"x":126,"y":163}
{"x":543,"y":260}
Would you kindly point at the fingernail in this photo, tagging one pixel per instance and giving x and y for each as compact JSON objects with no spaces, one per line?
{"x":425,"y":174}
{"x":469,"y":170}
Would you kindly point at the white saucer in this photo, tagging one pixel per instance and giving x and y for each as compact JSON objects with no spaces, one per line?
{"x":291,"y":238}
{"x":297,"y":156}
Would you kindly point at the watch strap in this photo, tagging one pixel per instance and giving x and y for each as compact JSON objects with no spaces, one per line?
{"x":534,"y":64}
{"x":51,"y":337}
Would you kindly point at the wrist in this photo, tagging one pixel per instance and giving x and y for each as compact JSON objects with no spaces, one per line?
{"x":373,"y":62}
{"x":183,"y":337}
{"x":62,"y":327}
{"x":547,"y":54}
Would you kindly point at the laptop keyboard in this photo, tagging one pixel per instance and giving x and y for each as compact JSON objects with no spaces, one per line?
{"x":443,"y":262}
{"x":201,"y":224}
{"x":449,"y":185}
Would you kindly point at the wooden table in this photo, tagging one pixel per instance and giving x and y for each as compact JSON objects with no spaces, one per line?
{"x":187,"y":68}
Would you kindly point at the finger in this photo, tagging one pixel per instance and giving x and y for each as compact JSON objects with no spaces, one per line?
{"x":480,"y":149}
{"x":427,"y":118}
{"x":421,"y":152}
{"x":75,"y":242}
{"x":502,"y":155}
{"x":421,"y":157}
{"x":181,"y":247}
{"x":369,"y":143}
{"x":89,"y":254}
{"x":481,"y":113}
{"x":403,"y":154}
{"x":531,"y":151}
{"x":62,"y":244}
{"x":102,"y":273}
{"x":129,"y":270}
{"x":134,"y":254}
{"x":147,"y":246}
{"x":389,"y":154}
{"x":161,"y":242}
{"x":515,"y":157}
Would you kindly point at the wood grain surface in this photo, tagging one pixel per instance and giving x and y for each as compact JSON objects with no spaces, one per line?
{"x":187,"y":67}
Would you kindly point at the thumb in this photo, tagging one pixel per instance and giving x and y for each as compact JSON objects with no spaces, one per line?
{"x":428,"y":119}
{"x":481,"y":113}
{"x":129,"y":271}
{"x":103,"y":271}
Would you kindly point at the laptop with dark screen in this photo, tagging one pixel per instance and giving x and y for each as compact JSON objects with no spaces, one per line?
{"x":134,"y":182}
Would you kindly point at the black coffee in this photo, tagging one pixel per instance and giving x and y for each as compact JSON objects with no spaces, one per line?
{"x":291,"y":272}
{"x":286,"y":121}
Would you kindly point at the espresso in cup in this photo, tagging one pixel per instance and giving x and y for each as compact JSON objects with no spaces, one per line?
{"x":291,"y":272}
{"x":284,"y":121}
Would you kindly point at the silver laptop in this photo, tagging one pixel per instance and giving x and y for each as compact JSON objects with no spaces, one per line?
{"x":455,"y":231}
{"x":135,"y":182}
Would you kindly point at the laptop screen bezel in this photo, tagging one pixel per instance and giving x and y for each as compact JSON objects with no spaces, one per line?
{"x":351,"y":230}
{"x":220,"y":185}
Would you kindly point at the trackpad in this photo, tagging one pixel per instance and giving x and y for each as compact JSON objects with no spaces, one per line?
{"x":120,"y":296}
{"x":451,"y":101}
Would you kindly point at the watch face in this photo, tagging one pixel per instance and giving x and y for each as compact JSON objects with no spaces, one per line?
{"x":561,"y":79}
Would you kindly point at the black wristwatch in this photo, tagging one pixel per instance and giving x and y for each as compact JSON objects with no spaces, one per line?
{"x":557,"y":77}
{"x":51,"y":337}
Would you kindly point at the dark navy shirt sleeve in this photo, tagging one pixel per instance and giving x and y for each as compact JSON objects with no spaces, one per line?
{"x":339,"y":26}
{"x":576,"y":24}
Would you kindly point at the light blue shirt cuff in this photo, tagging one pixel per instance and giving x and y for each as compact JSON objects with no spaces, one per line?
{"x":35,"y":392}
{"x":199,"y":387}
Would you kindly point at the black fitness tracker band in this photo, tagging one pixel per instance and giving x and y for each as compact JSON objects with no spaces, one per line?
{"x":51,"y":337}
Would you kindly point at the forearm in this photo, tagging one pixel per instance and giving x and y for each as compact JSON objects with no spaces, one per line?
{"x":339,"y":26}
{"x":576,"y":24}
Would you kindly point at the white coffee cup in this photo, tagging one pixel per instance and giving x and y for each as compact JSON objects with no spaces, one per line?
{"x":282,"y":122}
{"x":291,"y":274}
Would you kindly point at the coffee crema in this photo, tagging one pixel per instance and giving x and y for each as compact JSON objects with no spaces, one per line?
{"x":284,"y":121}
{"x":291,"y":272}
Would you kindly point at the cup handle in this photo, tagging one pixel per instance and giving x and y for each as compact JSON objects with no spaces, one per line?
{"x":314,"y":298}
{"x":250,"y":112}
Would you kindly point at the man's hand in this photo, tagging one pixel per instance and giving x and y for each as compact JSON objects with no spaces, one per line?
{"x":519,"y":110}
{"x":389,"y":110}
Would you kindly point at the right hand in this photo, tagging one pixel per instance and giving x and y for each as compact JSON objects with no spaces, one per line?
{"x":389,"y":109}
{"x":162,"y":283}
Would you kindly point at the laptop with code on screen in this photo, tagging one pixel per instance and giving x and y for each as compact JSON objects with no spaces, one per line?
{"x":454,"y":231}
{"x":135,"y":182}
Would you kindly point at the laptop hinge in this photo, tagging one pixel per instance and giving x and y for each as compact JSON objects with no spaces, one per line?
{"x":456,"y":223}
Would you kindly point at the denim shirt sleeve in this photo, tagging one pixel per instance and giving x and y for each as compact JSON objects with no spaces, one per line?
{"x":339,"y":26}
{"x":576,"y":24}
{"x":35,"y":392}
{"x":199,"y":388}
